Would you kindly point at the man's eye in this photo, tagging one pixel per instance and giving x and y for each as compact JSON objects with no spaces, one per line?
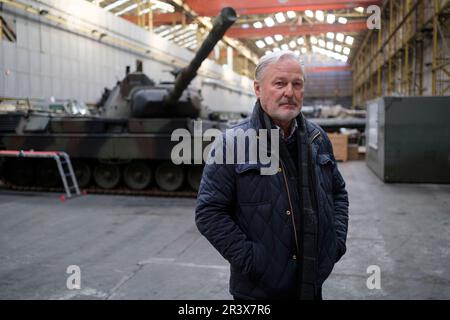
{"x":279,"y":84}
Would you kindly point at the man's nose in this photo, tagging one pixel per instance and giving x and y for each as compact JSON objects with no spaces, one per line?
{"x":289,"y":91}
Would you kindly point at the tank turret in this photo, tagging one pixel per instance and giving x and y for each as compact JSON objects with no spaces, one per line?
{"x":128,"y":144}
{"x":137,"y":96}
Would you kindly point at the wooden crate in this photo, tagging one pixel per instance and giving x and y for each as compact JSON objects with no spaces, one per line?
{"x":353,"y":153}
{"x":340,"y":145}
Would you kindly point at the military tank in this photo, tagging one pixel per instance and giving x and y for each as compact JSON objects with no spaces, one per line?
{"x":128,"y":144}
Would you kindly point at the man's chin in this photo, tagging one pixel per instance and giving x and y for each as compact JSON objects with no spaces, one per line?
{"x":288,"y":116}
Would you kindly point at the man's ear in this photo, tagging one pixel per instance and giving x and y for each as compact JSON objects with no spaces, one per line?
{"x":257,"y":88}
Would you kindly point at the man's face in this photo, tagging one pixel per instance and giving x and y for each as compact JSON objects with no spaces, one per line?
{"x":281,"y":90}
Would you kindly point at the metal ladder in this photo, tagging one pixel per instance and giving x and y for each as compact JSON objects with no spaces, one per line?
{"x":63,"y":163}
{"x":67,"y":175}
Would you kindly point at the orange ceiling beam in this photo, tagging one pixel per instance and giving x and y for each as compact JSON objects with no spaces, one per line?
{"x":159,"y":18}
{"x":297,"y":30}
{"x":247,"y":7}
{"x":328,"y":69}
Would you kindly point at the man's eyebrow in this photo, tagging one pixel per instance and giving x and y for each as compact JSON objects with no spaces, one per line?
{"x":285,"y":79}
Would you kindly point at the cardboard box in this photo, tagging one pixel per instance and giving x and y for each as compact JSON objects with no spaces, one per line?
{"x":340,"y":145}
{"x":353,"y":152}
{"x":362,"y":153}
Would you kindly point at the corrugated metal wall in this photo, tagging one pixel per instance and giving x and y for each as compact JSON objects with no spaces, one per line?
{"x":48,"y":60}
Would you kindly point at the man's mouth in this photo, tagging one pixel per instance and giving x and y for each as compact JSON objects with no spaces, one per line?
{"x":288,"y":105}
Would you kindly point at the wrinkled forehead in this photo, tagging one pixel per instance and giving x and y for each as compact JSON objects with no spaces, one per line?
{"x":284,"y":68}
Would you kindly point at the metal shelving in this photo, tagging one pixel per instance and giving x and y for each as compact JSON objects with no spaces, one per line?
{"x":397,"y":59}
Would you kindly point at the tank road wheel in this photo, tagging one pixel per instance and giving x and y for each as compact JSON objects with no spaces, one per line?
{"x":194,"y":176}
{"x":169,"y":177}
{"x":82,"y":172}
{"x":137,"y":175}
{"x":107,"y":176}
{"x":47,"y":174}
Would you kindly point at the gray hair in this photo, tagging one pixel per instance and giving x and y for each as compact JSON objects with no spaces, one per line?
{"x":274,"y":57}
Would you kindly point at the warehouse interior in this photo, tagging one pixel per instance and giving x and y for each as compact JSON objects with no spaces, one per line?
{"x":86,"y":178}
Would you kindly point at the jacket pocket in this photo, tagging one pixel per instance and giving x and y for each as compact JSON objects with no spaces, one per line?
{"x":326,"y":166}
{"x":260,"y":262}
{"x":254,"y":218}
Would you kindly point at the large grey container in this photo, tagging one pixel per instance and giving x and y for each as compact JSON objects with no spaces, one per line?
{"x":408,"y":139}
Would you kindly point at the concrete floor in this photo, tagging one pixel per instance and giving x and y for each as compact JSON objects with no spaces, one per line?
{"x":149,"y":248}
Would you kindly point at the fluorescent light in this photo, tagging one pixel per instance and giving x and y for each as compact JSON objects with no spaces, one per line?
{"x":284,"y":47}
{"x":349,"y":40}
{"x":268,"y":40}
{"x":309,"y":13}
{"x":340,"y":37}
{"x":278,"y":37}
{"x":290,"y":14}
{"x":336,"y":55}
{"x":268,"y":52}
{"x":330,"y":35}
{"x":129,"y":8}
{"x":276,"y":49}
{"x":300,"y":40}
{"x":346,"y":51}
{"x":319,"y":15}
{"x":245,"y":26}
{"x":269,"y":22}
{"x":170,"y":30}
{"x":258,"y":25}
{"x":190,"y":43}
{"x":321,"y":43}
{"x":330,"y":45}
{"x":313,"y":40}
{"x":280,"y":17}
{"x":260,"y":44}
{"x":342,"y":20}
{"x":115,"y":4}
{"x":338,"y":48}
{"x":188,"y":36}
{"x":331,"y":18}
{"x":184,"y":35}
{"x":359,"y":9}
{"x":292,"y":44}
{"x":303,"y":50}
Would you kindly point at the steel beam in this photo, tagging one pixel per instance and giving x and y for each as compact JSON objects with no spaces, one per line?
{"x":297,"y":30}
{"x":247,"y":7}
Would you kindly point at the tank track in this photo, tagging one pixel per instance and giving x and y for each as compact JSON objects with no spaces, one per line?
{"x":93,"y":190}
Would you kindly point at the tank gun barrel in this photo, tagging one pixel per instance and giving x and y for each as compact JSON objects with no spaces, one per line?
{"x":226,"y":18}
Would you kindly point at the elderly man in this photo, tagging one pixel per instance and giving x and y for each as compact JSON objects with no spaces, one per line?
{"x":281,"y":233}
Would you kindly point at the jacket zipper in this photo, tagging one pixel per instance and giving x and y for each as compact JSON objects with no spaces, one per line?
{"x":313,"y":180}
{"x":289,"y":197}
{"x":290,"y":205}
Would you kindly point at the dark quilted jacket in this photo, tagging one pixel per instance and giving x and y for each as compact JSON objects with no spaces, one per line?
{"x":245,"y":217}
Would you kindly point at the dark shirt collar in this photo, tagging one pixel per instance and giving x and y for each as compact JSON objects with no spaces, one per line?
{"x":294,"y":127}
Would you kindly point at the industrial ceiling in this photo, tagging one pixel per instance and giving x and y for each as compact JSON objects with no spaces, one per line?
{"x":332,"y":28}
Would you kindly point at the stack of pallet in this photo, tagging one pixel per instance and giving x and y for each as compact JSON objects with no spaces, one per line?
{"x":343,"y":150}
{"x":340,"y":146}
